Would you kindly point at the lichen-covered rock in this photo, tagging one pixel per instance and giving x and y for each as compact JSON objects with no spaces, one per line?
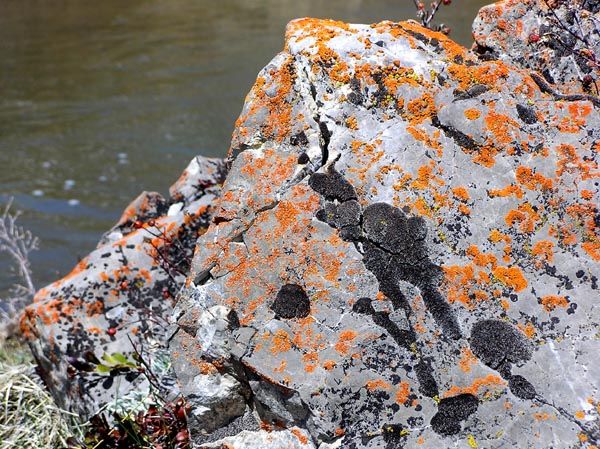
{"x":560,"y":39}
{"x":118,"y":299}
{"x":405,"y":252}
{"x":282,"y":439}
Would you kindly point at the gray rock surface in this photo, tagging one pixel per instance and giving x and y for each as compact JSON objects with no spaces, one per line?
{"x":560,"y":39}
{"x":119,"y":298}
{"x":405,"y":252}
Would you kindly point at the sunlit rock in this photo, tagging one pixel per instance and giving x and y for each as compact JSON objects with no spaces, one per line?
{"x":119,"y":298}
{"x":406,"y":249}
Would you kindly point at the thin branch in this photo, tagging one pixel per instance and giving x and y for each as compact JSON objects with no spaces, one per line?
{"x":18,"y":243}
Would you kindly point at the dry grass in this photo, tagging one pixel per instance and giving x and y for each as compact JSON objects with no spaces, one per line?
{"x":29,"y":417}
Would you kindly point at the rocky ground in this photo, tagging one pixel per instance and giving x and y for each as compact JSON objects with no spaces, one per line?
{"x":404,"y":251}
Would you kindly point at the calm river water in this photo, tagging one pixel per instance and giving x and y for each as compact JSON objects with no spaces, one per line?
{"x":101,"y":100}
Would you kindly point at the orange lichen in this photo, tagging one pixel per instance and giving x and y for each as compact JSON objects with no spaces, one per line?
{"x":543,"y":252}
{"x":345,"y":338}
{"x":531,"y":180}
{"x":280,"y":342}
{"x":421,"y":109}
{"x":593,"y":249}
{"x":403,"y":393}
{"x":460,"y":193}
{"x":551,"y":302}
{"x":489,"y":381}
{"x":467,"y":360}
{"x":472,"y":114}
{"x":377,"y":384}
{"x":298,"y":434}
{"x":511,"y":277}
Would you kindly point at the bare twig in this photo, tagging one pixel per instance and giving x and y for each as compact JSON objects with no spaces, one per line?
{"x":18,"y":243}
{"x":426,"y":15}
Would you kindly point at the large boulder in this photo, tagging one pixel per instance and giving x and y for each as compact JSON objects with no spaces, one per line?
{"x":405,"y":254}
{"x":87,"y":330}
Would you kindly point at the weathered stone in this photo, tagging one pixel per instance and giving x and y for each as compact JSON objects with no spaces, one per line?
{"x":559,"y":39}
{"x":437,"y":210}
{"x":281,"y":439}
{"x":118,"y":299}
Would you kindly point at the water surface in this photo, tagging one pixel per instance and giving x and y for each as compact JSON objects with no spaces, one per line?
{"x":101,"y":100}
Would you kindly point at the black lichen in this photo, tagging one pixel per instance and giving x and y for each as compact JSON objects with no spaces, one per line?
{"x":303,"y":159}
{"x":521,"y":387}
{"x":332,"y":185}
{"x":427,"y":383}
{"x":291,"y":302}
{"x":495,"y":342}
{"x":451,"y":412}
{"x":526,"y":114}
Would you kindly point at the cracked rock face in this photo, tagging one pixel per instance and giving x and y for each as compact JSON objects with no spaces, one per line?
{"x":405,"y":254}
{"x":118,"y":298}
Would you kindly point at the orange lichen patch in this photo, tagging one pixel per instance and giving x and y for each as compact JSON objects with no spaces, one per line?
{"x":472,"y":114}
{"x":467,"y":360}
{"x":425,"y":177}
{"x":278,"y":106}
{"x":94,"y":330}
{"x":543,"y":252}
{"x":509,"y":190}
{"x":497,"y":236}
{"x":543,"y":416}
{"x":301,"y":437}
{"x":328,"y":365}
{"x":280,"y":342}
{"x":421,"y":207}
{"x":343,"y":344}
{"x":528,"y":329}
{"x":467,"y":76}
{"x":486,"y":155}
{"x":511,"y":277}
{"x":323,"y":30}
{"x":95,"y":308}
{"x":460,"y":193}
{"x":339,"y":72}
{"x":459,"y":279}
{"x":352,"y":122}
{"x":569,"y":161}
{"x":491,"y":381}
{"x":580,"y":414}
{"x":501,"y":126}
{"x":402,"y":393}
{"x":395,"y":77}
{"x":422,"y":136}
{"x":525,"y":215}
{"x":531,"y":180}
{"x":479,"y":258}
{"x":593,"y":249}
{"x":551,"y":302}
{"x":377,"y":384}
{"x":421,"y":109}
{"x":587,"y":194}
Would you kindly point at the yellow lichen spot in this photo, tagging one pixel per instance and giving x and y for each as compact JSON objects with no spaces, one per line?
{"x":471,"y":441}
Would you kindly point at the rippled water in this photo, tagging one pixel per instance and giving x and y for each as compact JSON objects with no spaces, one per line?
{"x":101,"y":100}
